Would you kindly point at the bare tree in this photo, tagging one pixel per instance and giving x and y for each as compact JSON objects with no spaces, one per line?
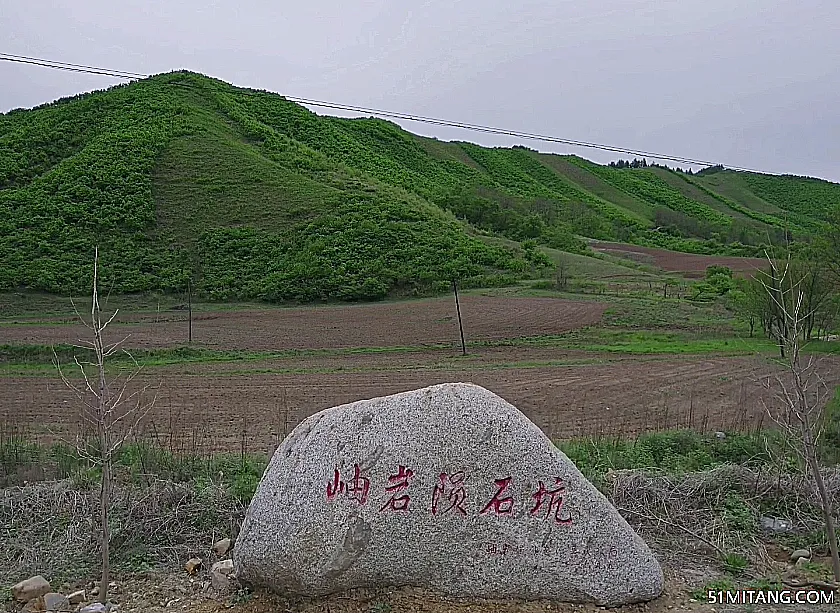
{"x":802,"y":394}
{"x":107,"y":406}
{"x":562,"y":275}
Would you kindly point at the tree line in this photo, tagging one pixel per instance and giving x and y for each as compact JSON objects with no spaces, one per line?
{"x":807,"y":281}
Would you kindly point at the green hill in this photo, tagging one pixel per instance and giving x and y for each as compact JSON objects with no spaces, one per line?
{"x":251,"y":196}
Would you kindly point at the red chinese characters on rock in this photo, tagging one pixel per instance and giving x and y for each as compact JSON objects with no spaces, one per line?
{"x":499,"y":504}
{"x":358,"y":489}
{"x":398,"y":483}
{"x":450,"y":487}
{"x":449,"y":495}
{"x":552,"y":500}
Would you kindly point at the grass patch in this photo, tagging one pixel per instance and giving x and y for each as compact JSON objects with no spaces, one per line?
{"x":678,"y":451}
{"x":137,"y":463}
{"x":636,"y":342}
{"x":39,"y":355}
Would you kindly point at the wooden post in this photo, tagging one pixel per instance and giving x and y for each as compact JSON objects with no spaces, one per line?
{"x":189,"y":306}
{"x":460,"y":324}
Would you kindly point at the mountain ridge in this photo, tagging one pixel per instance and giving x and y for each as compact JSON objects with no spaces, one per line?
{"x":249,"y":195}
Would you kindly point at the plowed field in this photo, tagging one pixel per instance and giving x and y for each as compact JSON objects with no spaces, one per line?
{"x":689,"y":264}
{"x":403,"y":346}
{"x":410,"y":323}
{"x":566,"y":395}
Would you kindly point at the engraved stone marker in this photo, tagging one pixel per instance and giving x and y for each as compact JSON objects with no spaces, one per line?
{"x":450,"y":488}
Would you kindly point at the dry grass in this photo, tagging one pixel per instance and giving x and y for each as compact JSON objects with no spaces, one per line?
{"x":52,"y":526}
{"x":717,"y":511}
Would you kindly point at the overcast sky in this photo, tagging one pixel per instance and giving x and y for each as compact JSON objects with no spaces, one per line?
{"x":752,"y":83}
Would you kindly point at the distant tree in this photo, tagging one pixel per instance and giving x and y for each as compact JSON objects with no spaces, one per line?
{"x":750,"y":301}
{"x":761,"y":298}
{"x":827,"y":246}
{"x":562,"y":274}
{"x":719,"y":279}
{"x":711,"y":169}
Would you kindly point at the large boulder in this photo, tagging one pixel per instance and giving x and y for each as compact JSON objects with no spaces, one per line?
{"x":449,"y":488}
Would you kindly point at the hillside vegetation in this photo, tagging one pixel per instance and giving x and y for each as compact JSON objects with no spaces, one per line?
{"x":180,"y":177}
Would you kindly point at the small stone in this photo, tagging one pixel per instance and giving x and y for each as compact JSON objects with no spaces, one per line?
{"x":224,"y":567}
{"x":30,"y":588}
{"x":720,"y":435}
{"x":220,"y":574}
{"x":96,"y":607}
{"x":775,"y":524}
{"x":799,"y":554}
{"x":220,"y":583}
{"x":192,"y":565}
{"x":222,"y":547}
{"x":77,"y":597}
{"x":36,"y":605}
{"x":53,"y":601}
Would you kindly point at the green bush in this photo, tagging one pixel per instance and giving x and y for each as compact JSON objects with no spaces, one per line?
{"x":676,"y":451}
{"x":719,"y":279}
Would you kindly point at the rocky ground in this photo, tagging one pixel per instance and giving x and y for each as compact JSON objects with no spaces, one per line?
{"x":200,"y":584}
{"x":180,"y":591}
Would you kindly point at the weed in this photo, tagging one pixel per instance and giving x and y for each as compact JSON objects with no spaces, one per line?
{"x":241,"y":596}
{"x":766,"y":585}
{"x":738,"y":515}
{"x":718,"y":585}
{"x":816,"y":569}
{"x":244,"y":485}
{"x":735,"y":563}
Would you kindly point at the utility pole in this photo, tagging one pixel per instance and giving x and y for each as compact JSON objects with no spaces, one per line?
{"x":189,"y":306}
{"x":460,"y":324}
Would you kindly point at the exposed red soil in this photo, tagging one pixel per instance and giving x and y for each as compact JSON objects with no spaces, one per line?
{"x":688,"y":264}
{"x":410,"y":323}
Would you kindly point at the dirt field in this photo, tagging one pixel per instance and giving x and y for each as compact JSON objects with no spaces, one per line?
{"x":688,"y":264}
{"x":567,"y":394}
{"x":410,"y":323}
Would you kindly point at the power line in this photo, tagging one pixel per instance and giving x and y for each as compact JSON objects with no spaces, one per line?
{"x":384,"y":113}
{"x":504,"y":132}
{"x":54,"y":64}
{"x":71,"y":67}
